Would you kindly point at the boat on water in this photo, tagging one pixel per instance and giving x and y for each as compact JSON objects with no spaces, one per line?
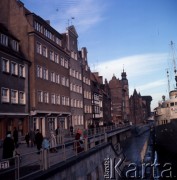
{"x":166,"y":120}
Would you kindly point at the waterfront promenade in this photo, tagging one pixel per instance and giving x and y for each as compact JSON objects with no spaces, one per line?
{"x":32,"y":162}
{"x":23,"y":149}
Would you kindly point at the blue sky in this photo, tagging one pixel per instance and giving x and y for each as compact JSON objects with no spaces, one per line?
{"x":132,"y":33}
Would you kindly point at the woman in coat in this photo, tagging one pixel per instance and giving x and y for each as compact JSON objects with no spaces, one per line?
{"x":8,"y":146}
{"x":53,"y":142}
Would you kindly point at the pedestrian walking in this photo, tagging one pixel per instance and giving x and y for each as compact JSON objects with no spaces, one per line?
{"x":32,"y":137}
{"x":38,"y":140}
{"x":8,"y":146}
{"x":45,"y":143}
{"x":15,"y":136}
{"x":78,"y":144}
{"x":27,"y":138}
{"x":59,"y":135}
{"x":53,"y":142}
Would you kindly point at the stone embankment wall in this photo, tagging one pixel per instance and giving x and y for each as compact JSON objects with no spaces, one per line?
{"x":87,"y":165}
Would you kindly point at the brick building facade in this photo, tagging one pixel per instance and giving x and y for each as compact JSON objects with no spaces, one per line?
{"x":120,"y":111}
{"x":14,"y":70}
{"x":49,"y":82}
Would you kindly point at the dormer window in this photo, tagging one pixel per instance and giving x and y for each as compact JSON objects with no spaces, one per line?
{"x":58,"y":41}
{"x":15,"y":45}
{"x":38,"y":26}
{"x":4,"y":40}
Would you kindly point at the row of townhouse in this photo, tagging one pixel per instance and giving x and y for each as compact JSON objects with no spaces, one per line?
{"x":45,"y":80}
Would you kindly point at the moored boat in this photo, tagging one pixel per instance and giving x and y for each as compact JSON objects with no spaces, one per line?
{"x":166,"y":120}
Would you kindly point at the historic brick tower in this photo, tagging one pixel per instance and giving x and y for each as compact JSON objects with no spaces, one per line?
{"x":120,"y":99}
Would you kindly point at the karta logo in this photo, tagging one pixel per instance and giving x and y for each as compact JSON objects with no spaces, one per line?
{"x":111,"y":167}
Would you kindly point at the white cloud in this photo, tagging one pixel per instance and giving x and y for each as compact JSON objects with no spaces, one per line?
{"x":136,"y":66}
{"x":86,"y":14}
{"x":145,"y":73}
{"x":150,"y":86}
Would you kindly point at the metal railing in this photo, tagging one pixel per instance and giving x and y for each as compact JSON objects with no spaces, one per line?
{"x":27,"y":164}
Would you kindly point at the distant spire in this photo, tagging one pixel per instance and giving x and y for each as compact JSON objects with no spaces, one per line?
{"x":124,"y":75}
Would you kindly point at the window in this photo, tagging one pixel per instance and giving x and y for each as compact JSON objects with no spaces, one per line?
{"x":80,"y":89}
{"x":14,"y":68}
{"x":40,"y":96}
{"x":56,"y":58}
{"x":74,"y":103}
{"x":52,"y":76}
{"x":44,"y":51}
{"x":39,"y":48}
{"x":77,"y":74}
{"x":14,"y":96}
{"x":15,"y":45}
{"x":22,"y":98}
{"x":51,"y":55}
{"x":67,"y":82}
{"x":46,"y":97}
{"x":86,"y":68}
{"x":74,"y":87}
{"x":77,"y":103}
{"x":73,"y":73}
{"x":58,"y":79}
{"x":75,"y":56}
{"x":5,"y":65}
{"x":57,"y":99}
{"x":53,"y":98}
{"x":80,"y":76}
{"x":4,"y":40}
{"x":71,"y":102}
{"x":58,"y":41}
{"x":66,"y":64}
{"x":38,"y":26}
{"x":63,"y":80}
{"x":172,"y":104}
{"x":63,"y":100}
{"x":71,"y":86}
{"x":4,"y":94}
{"x":67,"y":101}
{"x":21,"y":70}
{"x":45,"y":73}
{"x":62,"y":61}
{"x":72,"y":54}
{"x":77,"y":88}
{"x":39,"y":71}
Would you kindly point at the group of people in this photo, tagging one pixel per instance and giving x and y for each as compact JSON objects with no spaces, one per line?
{"x":32,"y":138}
{"x":40,"y":141}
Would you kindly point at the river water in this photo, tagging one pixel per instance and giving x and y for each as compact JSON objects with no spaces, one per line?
{"x":167,"y":164}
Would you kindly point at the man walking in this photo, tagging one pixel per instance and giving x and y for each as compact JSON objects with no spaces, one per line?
{"x":38,"y":140}
{"x":15,"y":136}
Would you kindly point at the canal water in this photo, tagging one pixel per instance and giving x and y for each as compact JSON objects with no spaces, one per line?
{"x":167,"y":164}
{"x":135,"y":149}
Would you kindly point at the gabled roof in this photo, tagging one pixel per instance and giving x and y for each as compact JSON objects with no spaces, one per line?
{"x":135,"y":92}
{"x":73,"y":30}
